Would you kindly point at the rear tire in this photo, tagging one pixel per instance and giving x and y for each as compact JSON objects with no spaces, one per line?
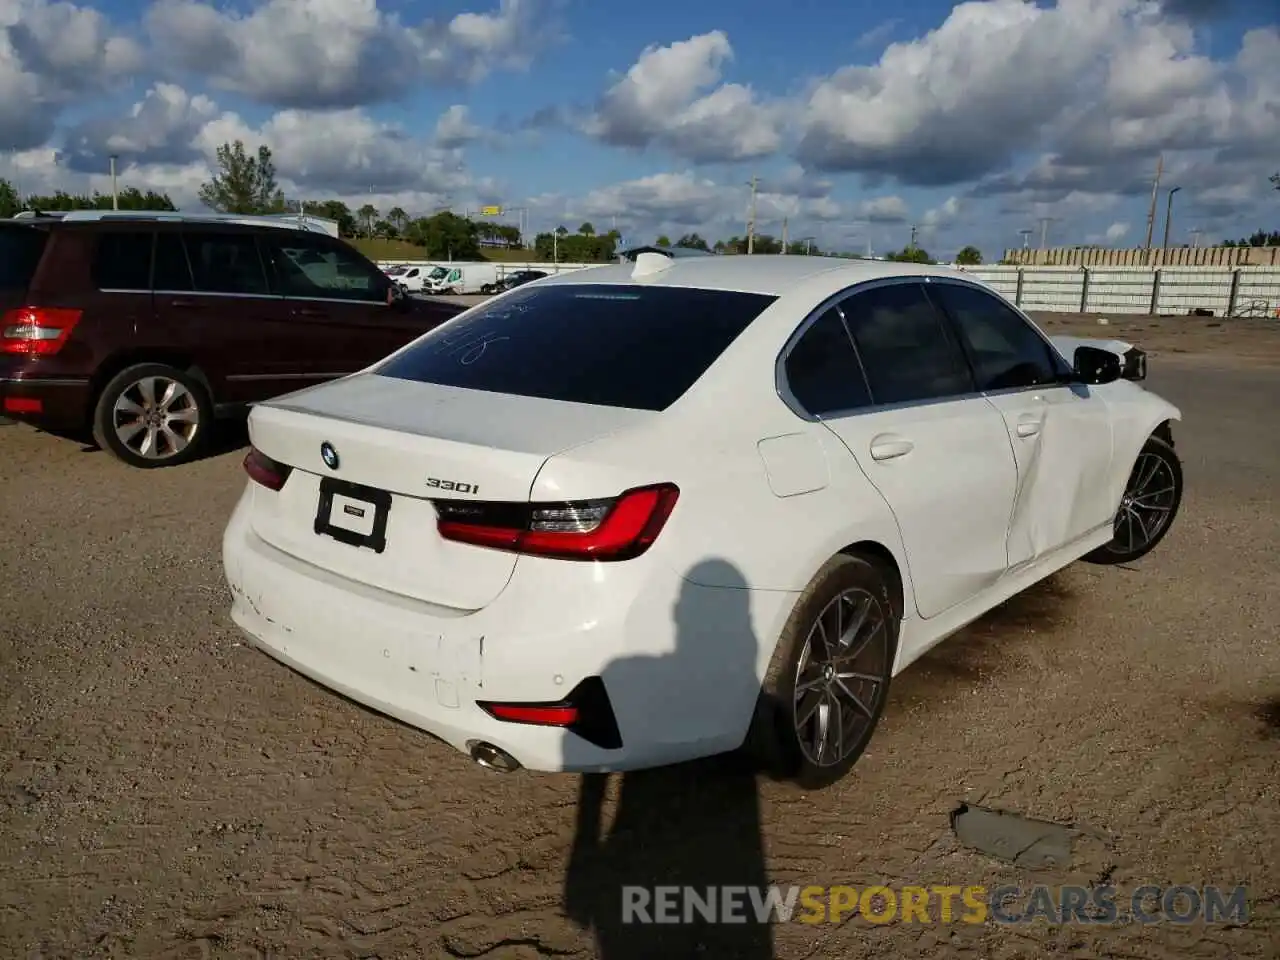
{"x":1152,"y":496}
{"x":830,"y":672}
{"x":153,"y":415}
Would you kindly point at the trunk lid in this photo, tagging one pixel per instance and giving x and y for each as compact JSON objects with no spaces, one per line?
{"x":413,"y":442}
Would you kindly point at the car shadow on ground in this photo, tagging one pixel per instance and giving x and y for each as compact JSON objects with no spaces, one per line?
{"x":228,"y":436}
{"x":692,"y":826}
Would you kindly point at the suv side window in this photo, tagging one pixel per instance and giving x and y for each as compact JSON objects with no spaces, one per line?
{"x":905,"y":347}
{"x":122,"y":260}
{"x":313,"y":269}
{"x":1006,"y":352}
{"x":822,"y":368}
{"x":226,"y":263}
{"x":172,"y":272}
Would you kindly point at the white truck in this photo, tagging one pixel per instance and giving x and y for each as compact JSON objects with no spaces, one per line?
{"x":461,"y":278}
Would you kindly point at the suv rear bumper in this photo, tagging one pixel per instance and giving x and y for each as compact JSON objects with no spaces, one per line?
{"x":55,"y":403}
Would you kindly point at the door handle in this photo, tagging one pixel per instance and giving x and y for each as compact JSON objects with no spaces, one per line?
{"x":307,"y":312}
{"x":1028,"y":427}
{"x":887,"y":446}
{"x":184,"y":303}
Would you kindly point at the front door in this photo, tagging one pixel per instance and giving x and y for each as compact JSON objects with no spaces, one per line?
{"x":935,"y":449}
{"x":1059,"y":432}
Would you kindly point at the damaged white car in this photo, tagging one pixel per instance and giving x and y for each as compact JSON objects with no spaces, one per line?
{"x":642,"y":513}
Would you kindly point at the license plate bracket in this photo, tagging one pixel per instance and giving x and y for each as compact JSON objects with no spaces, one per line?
{"x":354,"y":499}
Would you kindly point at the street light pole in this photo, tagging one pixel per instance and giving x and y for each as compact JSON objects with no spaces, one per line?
{"x":1168,"y":216}
{"x":115,"y":195}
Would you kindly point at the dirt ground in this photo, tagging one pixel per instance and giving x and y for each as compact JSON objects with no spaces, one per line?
{"x":166,"y":791}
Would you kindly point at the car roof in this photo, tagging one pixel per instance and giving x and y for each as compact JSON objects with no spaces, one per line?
{"x":768,"y":274}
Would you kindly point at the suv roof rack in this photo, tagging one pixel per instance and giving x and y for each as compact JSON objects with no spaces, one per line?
{"x":284,"y":221}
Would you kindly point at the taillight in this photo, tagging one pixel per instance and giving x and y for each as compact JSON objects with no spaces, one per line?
{"x":619,"y":528}
{"x":36,"y":331}
{"x":263,"y":470}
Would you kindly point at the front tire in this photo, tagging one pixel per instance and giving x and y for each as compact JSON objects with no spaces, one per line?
{"x":1147,"y":510}
{"x":828,"y":682}
{"x":153,"y":415}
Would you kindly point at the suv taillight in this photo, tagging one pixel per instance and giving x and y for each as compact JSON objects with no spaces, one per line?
{"x":36,"y":331}
{"x":618,"y":528}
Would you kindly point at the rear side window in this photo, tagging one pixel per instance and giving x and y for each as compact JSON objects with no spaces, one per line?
{"x":122,"y":260}
{"x":823,"y":371}
{"x":614,"y":346}
{"x":172,"y":273}
{"x":226,"y":263}
{"x":20,"y":252}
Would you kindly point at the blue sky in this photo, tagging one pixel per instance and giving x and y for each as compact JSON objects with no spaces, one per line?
{"x":969,"y":123}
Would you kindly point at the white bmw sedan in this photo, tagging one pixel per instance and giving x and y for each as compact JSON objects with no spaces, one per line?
{"x":642,"y":513}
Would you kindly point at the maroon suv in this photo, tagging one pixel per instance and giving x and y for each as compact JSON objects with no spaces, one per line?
{"x":144,"y":328}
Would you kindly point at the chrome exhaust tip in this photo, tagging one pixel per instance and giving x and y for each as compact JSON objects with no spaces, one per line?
{"x":492,"y":758}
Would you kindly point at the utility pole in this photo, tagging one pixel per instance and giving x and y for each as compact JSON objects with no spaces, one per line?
{"x":1168,"y":217}
{"x":1155,"y":193}
{"x":1044,"y":231}
{"x":115,"y":194}
{"x":912,"y":244}
{"x":751,"y":221}
{"x":1195,"y":237}
{"x":784,"y":234}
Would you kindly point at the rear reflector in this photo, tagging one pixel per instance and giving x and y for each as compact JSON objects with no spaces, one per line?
{"x":22,"y":405}
{"x":36,"y":331}
{"x":264,"y":471}
{"x":618,"y":528}
{"x":586,"y":712}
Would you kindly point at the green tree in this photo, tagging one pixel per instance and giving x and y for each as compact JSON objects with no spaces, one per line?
{"x":911,"y":255}
{"x":244,"y":184}
{"x":576,"y":248}
{"x":969,"y":256}
{"x":368,"y":214}
{"x":333,"y":210}
{"x":10,"y":202}
{"x":587,"y":230}
{"x":130,"y":198}
{"x":663,"y":241}
{"x":398,"y":217}
{"x":446,"y":236}
{"x":691,"y":241}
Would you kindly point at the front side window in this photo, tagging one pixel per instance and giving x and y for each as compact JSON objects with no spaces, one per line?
{"x":608,"y":345}
{"x":822,"y":368}
{"x":225,"y":263}
{"x":309,"y":268}
{"x":1006,"y":352}
{"x":906,"y":350}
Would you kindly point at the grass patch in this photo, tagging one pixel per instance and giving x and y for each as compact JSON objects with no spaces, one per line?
{"x":403,"y":250}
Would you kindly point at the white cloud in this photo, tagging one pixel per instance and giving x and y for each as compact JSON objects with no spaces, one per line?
{"x":672,"y":97}
{"x":1116,"y":231}
{"x":341,"y":53}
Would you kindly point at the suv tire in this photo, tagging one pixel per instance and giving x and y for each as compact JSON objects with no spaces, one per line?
{"x":153,"y":415}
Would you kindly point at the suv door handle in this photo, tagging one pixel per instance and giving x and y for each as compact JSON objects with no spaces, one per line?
{"x":887,"y":446}
{"x":185,"y":303}
{"x":308,"y":312}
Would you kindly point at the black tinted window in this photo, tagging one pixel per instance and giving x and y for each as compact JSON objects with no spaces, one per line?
{"x":20,"y":251}
{"x":122,"y":260}
{"x":225,"y":263}
{"x":822,"y":369}
{"x":904,"y":345}
{"x":172,"y":272}
{"x":318,"y":270}
{"x":615,"y":346}
{"x":1006,"y":352}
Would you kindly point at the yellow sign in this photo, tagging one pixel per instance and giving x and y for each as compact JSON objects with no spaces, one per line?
{"x":490,"y":211}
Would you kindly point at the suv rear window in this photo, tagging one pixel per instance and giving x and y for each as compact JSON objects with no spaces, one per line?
{"x":607,"y":345}
{"x":20,"y":252}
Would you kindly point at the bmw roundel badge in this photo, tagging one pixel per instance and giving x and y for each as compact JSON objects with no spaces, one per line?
{"x":329,"y":455}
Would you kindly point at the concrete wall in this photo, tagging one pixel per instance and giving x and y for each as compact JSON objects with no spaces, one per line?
{"x":1156,"y":257}
{"x":1174,"y":291}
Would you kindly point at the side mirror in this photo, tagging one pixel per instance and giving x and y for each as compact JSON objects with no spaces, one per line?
{"x":1094,"y":365}
{"x":395,"y":294}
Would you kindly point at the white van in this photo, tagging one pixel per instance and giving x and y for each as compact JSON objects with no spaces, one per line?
{"x":414,"y":277}
{"x":462,"y":278}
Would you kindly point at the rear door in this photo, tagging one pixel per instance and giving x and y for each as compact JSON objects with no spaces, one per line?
{"x":342,"y":302}
{"x":934,"y":448}
{"x":213,"y":301}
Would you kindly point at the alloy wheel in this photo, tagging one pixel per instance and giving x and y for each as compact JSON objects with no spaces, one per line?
{"x":156,"y":417}
{"x":841,"y":677}
{"x":1148,"y":502}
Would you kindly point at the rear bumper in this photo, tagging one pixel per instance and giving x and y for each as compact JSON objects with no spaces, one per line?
{"x":679,"y":663}
{"x":55,"y":403}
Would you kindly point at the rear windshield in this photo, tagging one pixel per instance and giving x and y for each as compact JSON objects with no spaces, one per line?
{"x":613,"y":346}
{"x":20,"y":250}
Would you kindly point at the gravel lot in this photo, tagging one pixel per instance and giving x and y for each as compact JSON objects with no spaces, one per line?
{"x":165,"y":791}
